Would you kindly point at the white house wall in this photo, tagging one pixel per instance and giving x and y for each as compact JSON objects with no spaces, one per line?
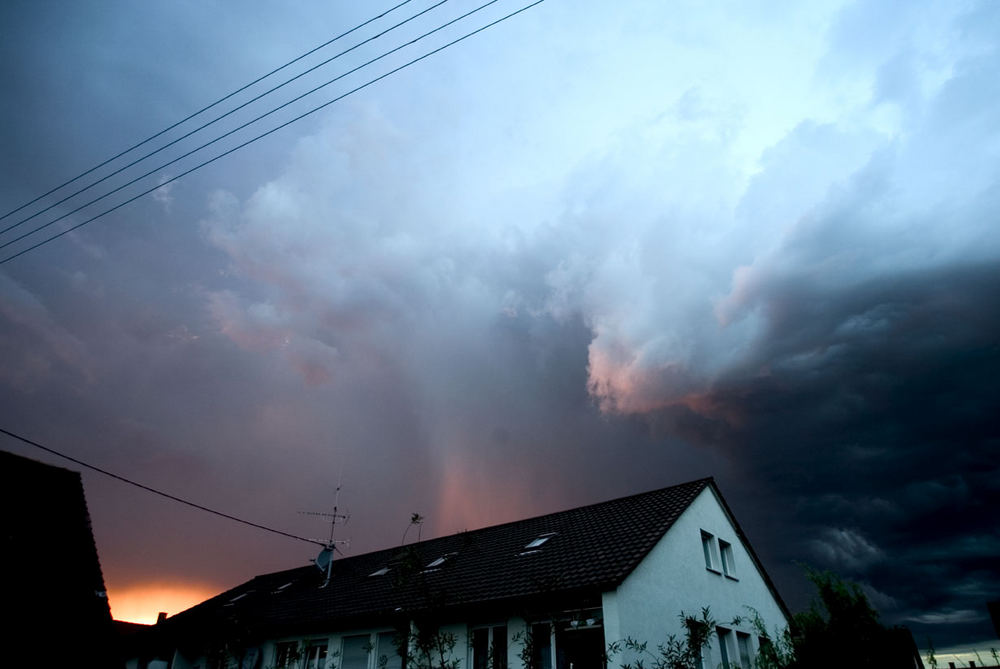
{"x":516,"y":629}
{"x":673,"y":578}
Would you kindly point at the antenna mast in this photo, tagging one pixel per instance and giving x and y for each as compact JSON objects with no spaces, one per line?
{"x":325,"y":558}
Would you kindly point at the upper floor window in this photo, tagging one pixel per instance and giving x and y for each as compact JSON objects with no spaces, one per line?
{"x":710,"y":550}
{"x":728,"y":563}
{"x":719,"y":555}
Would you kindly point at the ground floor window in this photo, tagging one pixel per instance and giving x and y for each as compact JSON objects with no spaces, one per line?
{"x":286,"y":654}
{"x":387,"y":652}
{"x":580,"y":647}
{"x":489,"y":647}
{"x":315,"y":654}
{"x":354,"y":651}
{"x":746,"y":650}
{"x":568,"y":644}
{"x":541,"y":646}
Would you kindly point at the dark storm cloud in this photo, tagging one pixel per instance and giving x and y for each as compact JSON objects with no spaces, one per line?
{"x":870,"y":412}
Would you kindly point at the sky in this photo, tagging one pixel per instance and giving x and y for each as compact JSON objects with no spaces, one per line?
{"x":596,"y":249}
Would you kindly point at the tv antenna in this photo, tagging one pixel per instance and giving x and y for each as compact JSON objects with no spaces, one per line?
{"x":324,"y":561}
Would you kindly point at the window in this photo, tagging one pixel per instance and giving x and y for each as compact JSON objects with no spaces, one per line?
{"x":354,"y":652}
{"x":286,"y":654}
{"x":541,"y":646}
{"x":726,"y":647}
{"x":710,"y":550}
{"x":728,"y":564}
{"x":439,"y":561}
{"x":238,"y":597}
{"x":489,"y":647}
{"x":315,"y":655}
{"x":380,"y":572}
{"x":580,"y":644}
{"x":746,"y":652}
{"x":387,"y":653}
{"x":541,"y":539}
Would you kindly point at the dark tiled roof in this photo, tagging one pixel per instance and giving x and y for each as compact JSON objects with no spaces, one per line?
{"x":591,"y":549}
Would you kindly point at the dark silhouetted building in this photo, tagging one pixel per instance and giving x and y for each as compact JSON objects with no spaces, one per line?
{"x":56,"y":606}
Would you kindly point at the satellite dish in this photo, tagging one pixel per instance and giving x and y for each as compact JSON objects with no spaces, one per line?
{"x":323,"y":559}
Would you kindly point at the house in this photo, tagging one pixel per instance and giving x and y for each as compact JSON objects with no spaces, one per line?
{"x":54,"y":580}
{"x":549,"y":592}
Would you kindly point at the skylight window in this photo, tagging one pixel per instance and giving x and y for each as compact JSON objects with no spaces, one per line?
{"x":541,"y":539}
{"x":440,"y":561}
{"x":238,"y":598}
{"x":380,"y":572}
{"x":282,"y":587}
{"x":534,"y":546}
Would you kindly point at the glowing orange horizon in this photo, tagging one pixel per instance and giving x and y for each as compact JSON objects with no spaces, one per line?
{"x":142,"y":603}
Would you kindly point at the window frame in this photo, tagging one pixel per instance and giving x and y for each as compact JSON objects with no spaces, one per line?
{"x":322,"y":646}
{"x":710,"y":550}
{"x":378,"y":654}
{"x":544,"y":653}
{"x":287,"y":654}
{"x":727,"y":646}
{"x":744,"y":646}
{"x":728,"y":559}
{"x":369,"y":647}
{"x":499,"y":660}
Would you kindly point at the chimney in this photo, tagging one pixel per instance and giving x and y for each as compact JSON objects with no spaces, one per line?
{"x":160,"y":617}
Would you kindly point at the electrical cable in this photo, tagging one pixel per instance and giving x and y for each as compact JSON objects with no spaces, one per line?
{"x":213,"y":121}
{"x":204,"y":109}
{"x":159,"y":492}
{"x":258,"y":137}
{"x":240,"y":127}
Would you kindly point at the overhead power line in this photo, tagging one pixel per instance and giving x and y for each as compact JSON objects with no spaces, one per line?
{"x":202,"y":127}
{"x":260,"y":136}
{"x":235,"y":130}
{"x":204,"y":109}
{"x":159,"y":492}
